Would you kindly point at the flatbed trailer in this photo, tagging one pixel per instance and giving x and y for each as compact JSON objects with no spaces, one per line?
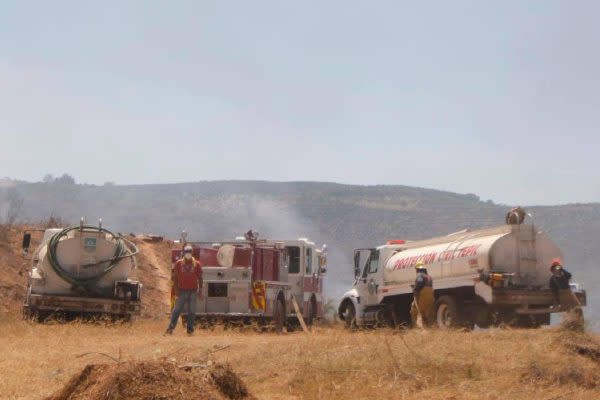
{"x":43,"y":306}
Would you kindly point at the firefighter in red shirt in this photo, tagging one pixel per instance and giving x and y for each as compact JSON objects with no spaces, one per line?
{"x":187,"y":281}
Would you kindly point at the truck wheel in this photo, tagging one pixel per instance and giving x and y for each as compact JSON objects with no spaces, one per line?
{"x":482,"y":316}
{"x":127,"y":318}
{"x":446,"y":312}
{"x":312,"y":312}
{"x":350,"y":316}
{"x":28,"y":314}
{"x":528,"y":321}
{"x":41,"y":316}
{"x":279,"y":316}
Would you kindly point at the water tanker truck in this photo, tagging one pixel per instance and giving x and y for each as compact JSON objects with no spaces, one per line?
{"x":82,"y":270}
{"x":483,"y":277}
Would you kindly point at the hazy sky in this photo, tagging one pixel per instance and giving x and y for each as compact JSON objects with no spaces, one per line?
{"x":501,"y":98}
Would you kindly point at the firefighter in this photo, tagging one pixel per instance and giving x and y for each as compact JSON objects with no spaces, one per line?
{"x":422,"y":296}
{"x":559,"y":284}
{"x":187,"y":284}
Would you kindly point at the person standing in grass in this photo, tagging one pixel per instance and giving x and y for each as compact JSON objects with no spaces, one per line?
{"x":187,"y":281}
{"x":422,"y":296}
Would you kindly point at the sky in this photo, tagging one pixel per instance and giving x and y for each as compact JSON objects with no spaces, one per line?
{"x":496,"y":98}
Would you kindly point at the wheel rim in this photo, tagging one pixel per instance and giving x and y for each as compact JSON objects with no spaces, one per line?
{"x":444,"y":317}
{"x":349,"y":316}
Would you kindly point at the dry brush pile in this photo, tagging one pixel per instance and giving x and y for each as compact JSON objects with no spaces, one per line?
{"x":153,"y":380}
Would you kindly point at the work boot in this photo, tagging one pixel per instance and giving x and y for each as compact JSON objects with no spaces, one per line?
{"x":190,"y":333}
{"x":169,"y":331}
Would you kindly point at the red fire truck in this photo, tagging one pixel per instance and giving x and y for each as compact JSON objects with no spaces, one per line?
{"x":256,"y":280}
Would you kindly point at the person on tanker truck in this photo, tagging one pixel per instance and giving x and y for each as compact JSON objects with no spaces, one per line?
{"x":187,"y":281}
{"x":559,"y":284}
{"x":422,"y":296}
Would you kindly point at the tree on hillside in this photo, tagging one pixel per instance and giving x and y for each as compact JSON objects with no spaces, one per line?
{"x":13,"y":204}
{"x":65,"y":179}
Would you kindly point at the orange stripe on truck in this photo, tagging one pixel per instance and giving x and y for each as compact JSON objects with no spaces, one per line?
{"x":259,"y":295}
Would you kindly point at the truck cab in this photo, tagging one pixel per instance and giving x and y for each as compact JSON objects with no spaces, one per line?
{"x":362,"y":304}
{"x":307,"y":266}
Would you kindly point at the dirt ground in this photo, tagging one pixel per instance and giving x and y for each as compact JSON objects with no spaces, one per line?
{"x":13,"y":272}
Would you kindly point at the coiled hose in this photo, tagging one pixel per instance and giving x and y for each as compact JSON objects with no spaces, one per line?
{"x":124,"y":249}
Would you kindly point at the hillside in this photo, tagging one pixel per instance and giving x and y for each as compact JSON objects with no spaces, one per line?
{"x":343,"y":216}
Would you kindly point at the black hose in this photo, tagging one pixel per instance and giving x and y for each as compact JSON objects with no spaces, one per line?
{"x":124,"y":249}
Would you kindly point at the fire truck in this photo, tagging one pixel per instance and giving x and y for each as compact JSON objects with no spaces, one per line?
{"x":250,"y":280}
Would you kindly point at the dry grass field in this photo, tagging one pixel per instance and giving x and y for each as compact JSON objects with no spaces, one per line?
{"x":38,"y":360}
{"x":329,"y":363}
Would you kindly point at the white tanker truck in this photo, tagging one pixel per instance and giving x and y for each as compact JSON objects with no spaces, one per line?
{"x":484,"y":277}
{"x":82,"y":270}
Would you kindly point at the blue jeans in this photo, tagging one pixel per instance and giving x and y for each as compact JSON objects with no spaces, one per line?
{"x":185,"y":297}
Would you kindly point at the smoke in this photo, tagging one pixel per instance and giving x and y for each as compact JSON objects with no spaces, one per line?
{"x":277,"y":219}
{"x":273,"y":219}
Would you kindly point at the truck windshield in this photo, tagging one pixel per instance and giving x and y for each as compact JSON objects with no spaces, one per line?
{"x":294,"y":257}
{"x":372,"y":263}
{"x":361,"y":257}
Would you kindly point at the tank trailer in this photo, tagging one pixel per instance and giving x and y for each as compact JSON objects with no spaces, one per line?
{"x":82,"y":270}
{"x":483,"y":277}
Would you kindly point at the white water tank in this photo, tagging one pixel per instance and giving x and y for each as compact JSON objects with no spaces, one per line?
{"x":82,"y":255}
{"x":516,"y":249}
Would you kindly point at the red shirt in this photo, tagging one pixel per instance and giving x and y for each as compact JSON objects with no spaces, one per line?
{"x":189,"y":274}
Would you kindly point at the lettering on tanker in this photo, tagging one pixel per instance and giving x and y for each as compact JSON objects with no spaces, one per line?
{"x":430,"y":258}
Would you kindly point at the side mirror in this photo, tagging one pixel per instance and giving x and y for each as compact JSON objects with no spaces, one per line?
{"x":26,"y":243}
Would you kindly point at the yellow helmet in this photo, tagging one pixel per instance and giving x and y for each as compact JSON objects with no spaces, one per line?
{"x":420,"y":265}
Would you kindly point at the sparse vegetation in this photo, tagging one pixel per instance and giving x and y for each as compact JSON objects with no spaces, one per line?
{"x":64,"y":179}
{"x":53,"y":221}
{"x":13,"y":205}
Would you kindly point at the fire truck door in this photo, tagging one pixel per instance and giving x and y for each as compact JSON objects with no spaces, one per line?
{"x":367,"y":282}
{"x":296,"y":272}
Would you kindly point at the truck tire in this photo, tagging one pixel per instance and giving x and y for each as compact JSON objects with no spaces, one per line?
{"x":482,"y":317}
{"x":279,"y":316}
{"x":312,"y":312}
{"x":446,"y":313}
{"x":532,"y":321}
{"x":350,"y":316}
